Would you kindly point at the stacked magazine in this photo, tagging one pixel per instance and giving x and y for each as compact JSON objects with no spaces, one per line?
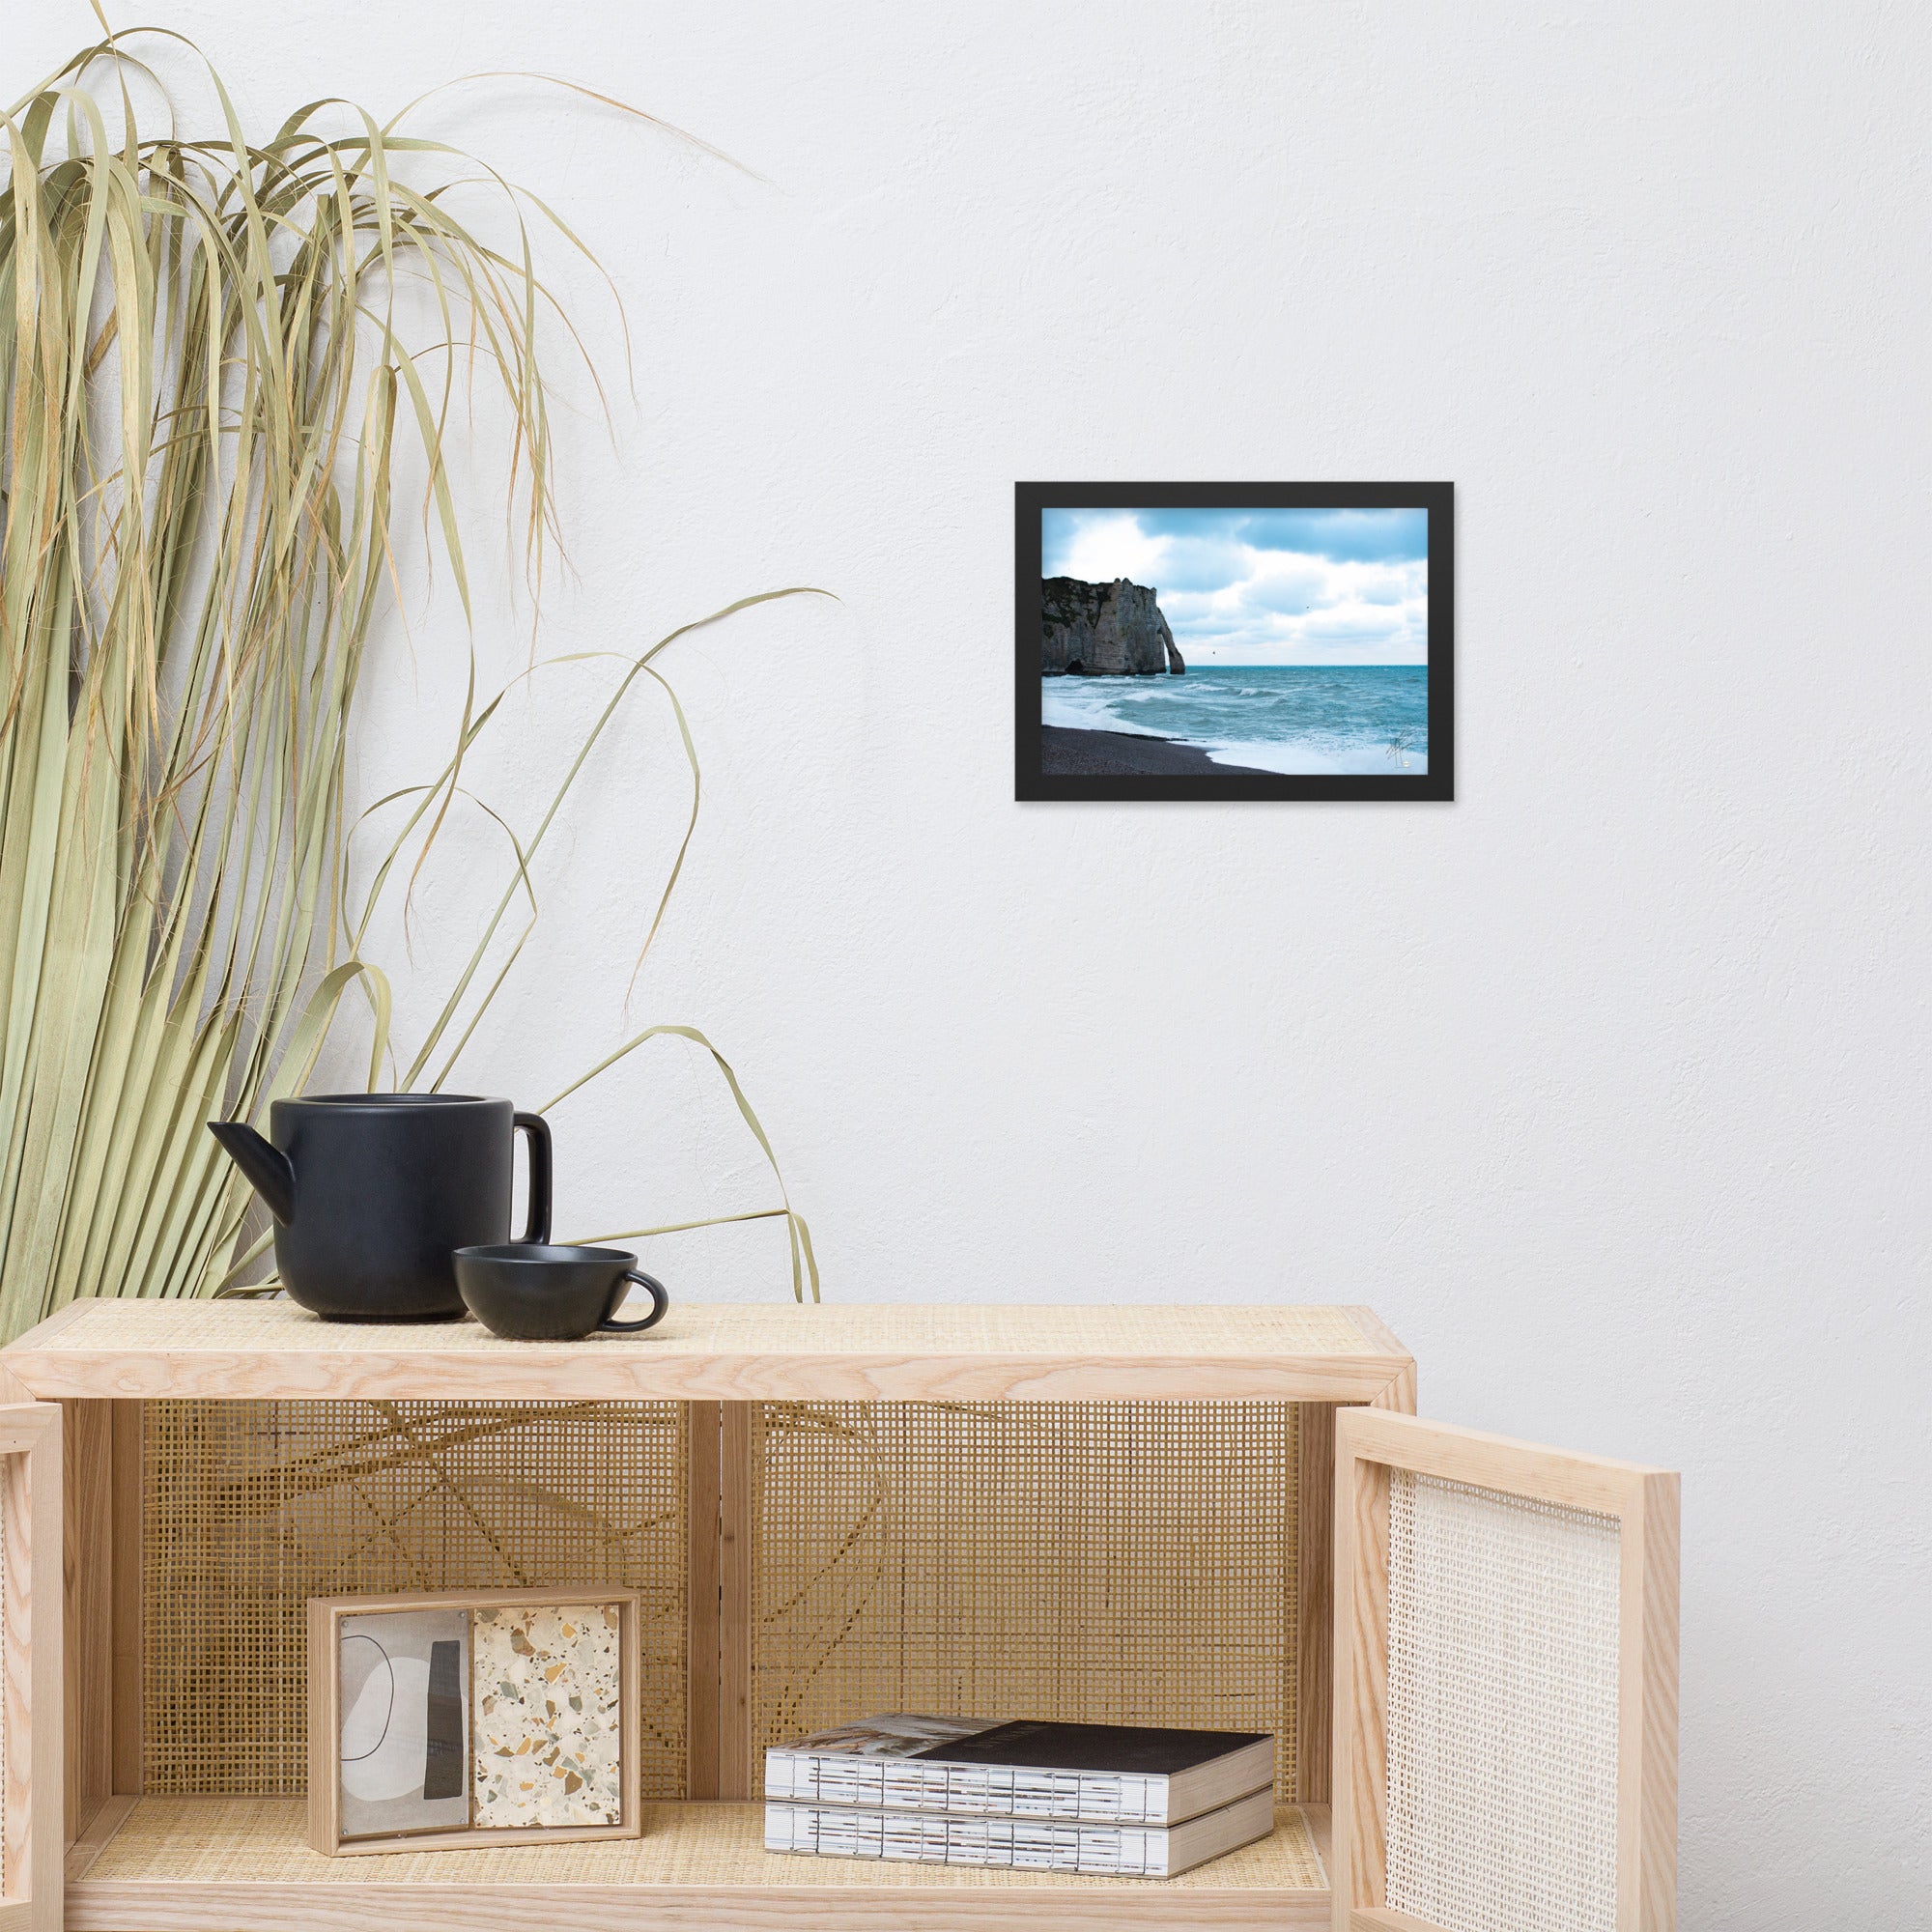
{"x":1117,"y":1800}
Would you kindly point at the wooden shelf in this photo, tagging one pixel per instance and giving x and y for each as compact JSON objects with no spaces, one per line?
{"x":240,"y":1864}
{"x":735,"y":1352}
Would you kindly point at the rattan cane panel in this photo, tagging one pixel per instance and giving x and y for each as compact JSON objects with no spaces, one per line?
{"x":211,"y":1842}
{"x":1161,"y":1333}
{"x":250,"y":1508}
{"x":1107,"y":1562}
{"x":1502,"y":1709}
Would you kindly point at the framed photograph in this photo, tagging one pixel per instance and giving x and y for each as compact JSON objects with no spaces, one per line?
{"x":482,"y":1717}
{"x":1235,"y":640}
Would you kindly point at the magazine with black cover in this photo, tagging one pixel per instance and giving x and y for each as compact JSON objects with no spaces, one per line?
{"x":1021,"y":1844}
{"x":1126,"y":1774}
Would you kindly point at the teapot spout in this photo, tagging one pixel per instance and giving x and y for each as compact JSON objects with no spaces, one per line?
{"x":265,"y":1166}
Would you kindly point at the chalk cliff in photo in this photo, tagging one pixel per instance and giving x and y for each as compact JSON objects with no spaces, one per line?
{"x":1104,"y":630}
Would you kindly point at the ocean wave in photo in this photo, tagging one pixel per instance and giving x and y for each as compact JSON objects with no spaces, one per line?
{"x":1278,"y":718}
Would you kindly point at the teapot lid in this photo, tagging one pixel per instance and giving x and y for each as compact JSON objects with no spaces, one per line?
{"x":387,"y":1100}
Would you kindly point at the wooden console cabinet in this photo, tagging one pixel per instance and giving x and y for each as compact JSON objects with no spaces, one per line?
{"x":90,"y":1841}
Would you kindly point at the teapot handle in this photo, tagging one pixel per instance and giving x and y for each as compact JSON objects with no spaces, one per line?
{"x":537,"y":1127}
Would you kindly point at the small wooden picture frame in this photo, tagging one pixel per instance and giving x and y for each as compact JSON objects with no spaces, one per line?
{"x":414,"y":1699}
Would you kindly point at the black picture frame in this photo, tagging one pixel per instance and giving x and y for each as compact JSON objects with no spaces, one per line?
{"x":1437,"y":785}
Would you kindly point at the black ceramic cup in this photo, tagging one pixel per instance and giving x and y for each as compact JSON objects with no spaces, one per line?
{"x":529,"y":1292}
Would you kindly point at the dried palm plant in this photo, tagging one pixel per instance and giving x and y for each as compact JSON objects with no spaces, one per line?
{"x":210,"y":380}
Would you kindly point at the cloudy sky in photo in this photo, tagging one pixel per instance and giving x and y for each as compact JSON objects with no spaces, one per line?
{"x":1263,"y":586}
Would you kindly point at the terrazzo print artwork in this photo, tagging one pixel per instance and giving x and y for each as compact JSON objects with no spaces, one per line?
{"x":547,"y":1727}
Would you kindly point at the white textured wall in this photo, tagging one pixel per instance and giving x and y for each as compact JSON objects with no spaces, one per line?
{"x":1607,"y":1083}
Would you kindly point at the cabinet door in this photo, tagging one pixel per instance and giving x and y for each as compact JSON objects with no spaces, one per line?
{"x":1505,"y":1685}
{"x":30,"y":1667}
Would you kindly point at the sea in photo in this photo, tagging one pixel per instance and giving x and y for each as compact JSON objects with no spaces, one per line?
{"x":1183,"y":641}
{"x":1268,"y":718}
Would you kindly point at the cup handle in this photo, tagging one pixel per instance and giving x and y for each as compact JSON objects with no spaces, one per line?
{"x":537,"y":1231}
{"x":660,"y":1300}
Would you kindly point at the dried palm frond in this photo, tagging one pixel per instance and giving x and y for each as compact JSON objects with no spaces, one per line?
{"x":208,"y":385}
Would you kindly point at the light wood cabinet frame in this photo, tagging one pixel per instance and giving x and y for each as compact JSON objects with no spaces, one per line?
{"x":101,"y":1361}
{"x":32,"y":1796}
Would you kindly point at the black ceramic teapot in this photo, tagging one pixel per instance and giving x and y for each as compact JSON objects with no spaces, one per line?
{"x":373,"y":1192}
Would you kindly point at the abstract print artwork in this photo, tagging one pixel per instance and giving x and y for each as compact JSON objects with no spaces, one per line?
{"x":1233,"y":641}
{"x":405,"y":1731}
